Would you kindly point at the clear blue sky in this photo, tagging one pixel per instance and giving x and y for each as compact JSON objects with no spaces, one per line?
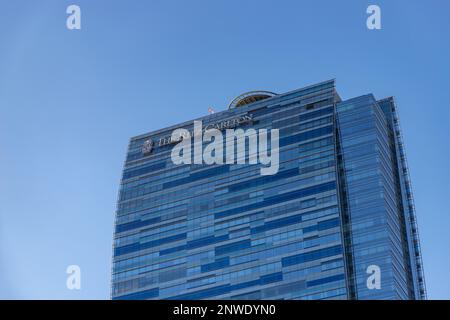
{"x":70,"y":100}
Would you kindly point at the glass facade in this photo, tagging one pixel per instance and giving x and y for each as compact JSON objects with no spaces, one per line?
{"x":341,"y":201}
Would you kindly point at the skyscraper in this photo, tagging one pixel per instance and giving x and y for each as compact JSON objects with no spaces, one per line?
{"x":338,"y":211}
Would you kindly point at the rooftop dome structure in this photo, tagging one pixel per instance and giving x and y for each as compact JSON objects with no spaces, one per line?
{"x":250,"y":97}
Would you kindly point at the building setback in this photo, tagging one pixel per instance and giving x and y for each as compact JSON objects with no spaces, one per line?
{"x":340,"y":204}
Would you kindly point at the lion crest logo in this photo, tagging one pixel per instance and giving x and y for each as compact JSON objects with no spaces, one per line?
{"x":147,"y":147}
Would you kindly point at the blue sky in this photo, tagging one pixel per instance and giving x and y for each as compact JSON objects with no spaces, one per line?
{"x":70,"y":100}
